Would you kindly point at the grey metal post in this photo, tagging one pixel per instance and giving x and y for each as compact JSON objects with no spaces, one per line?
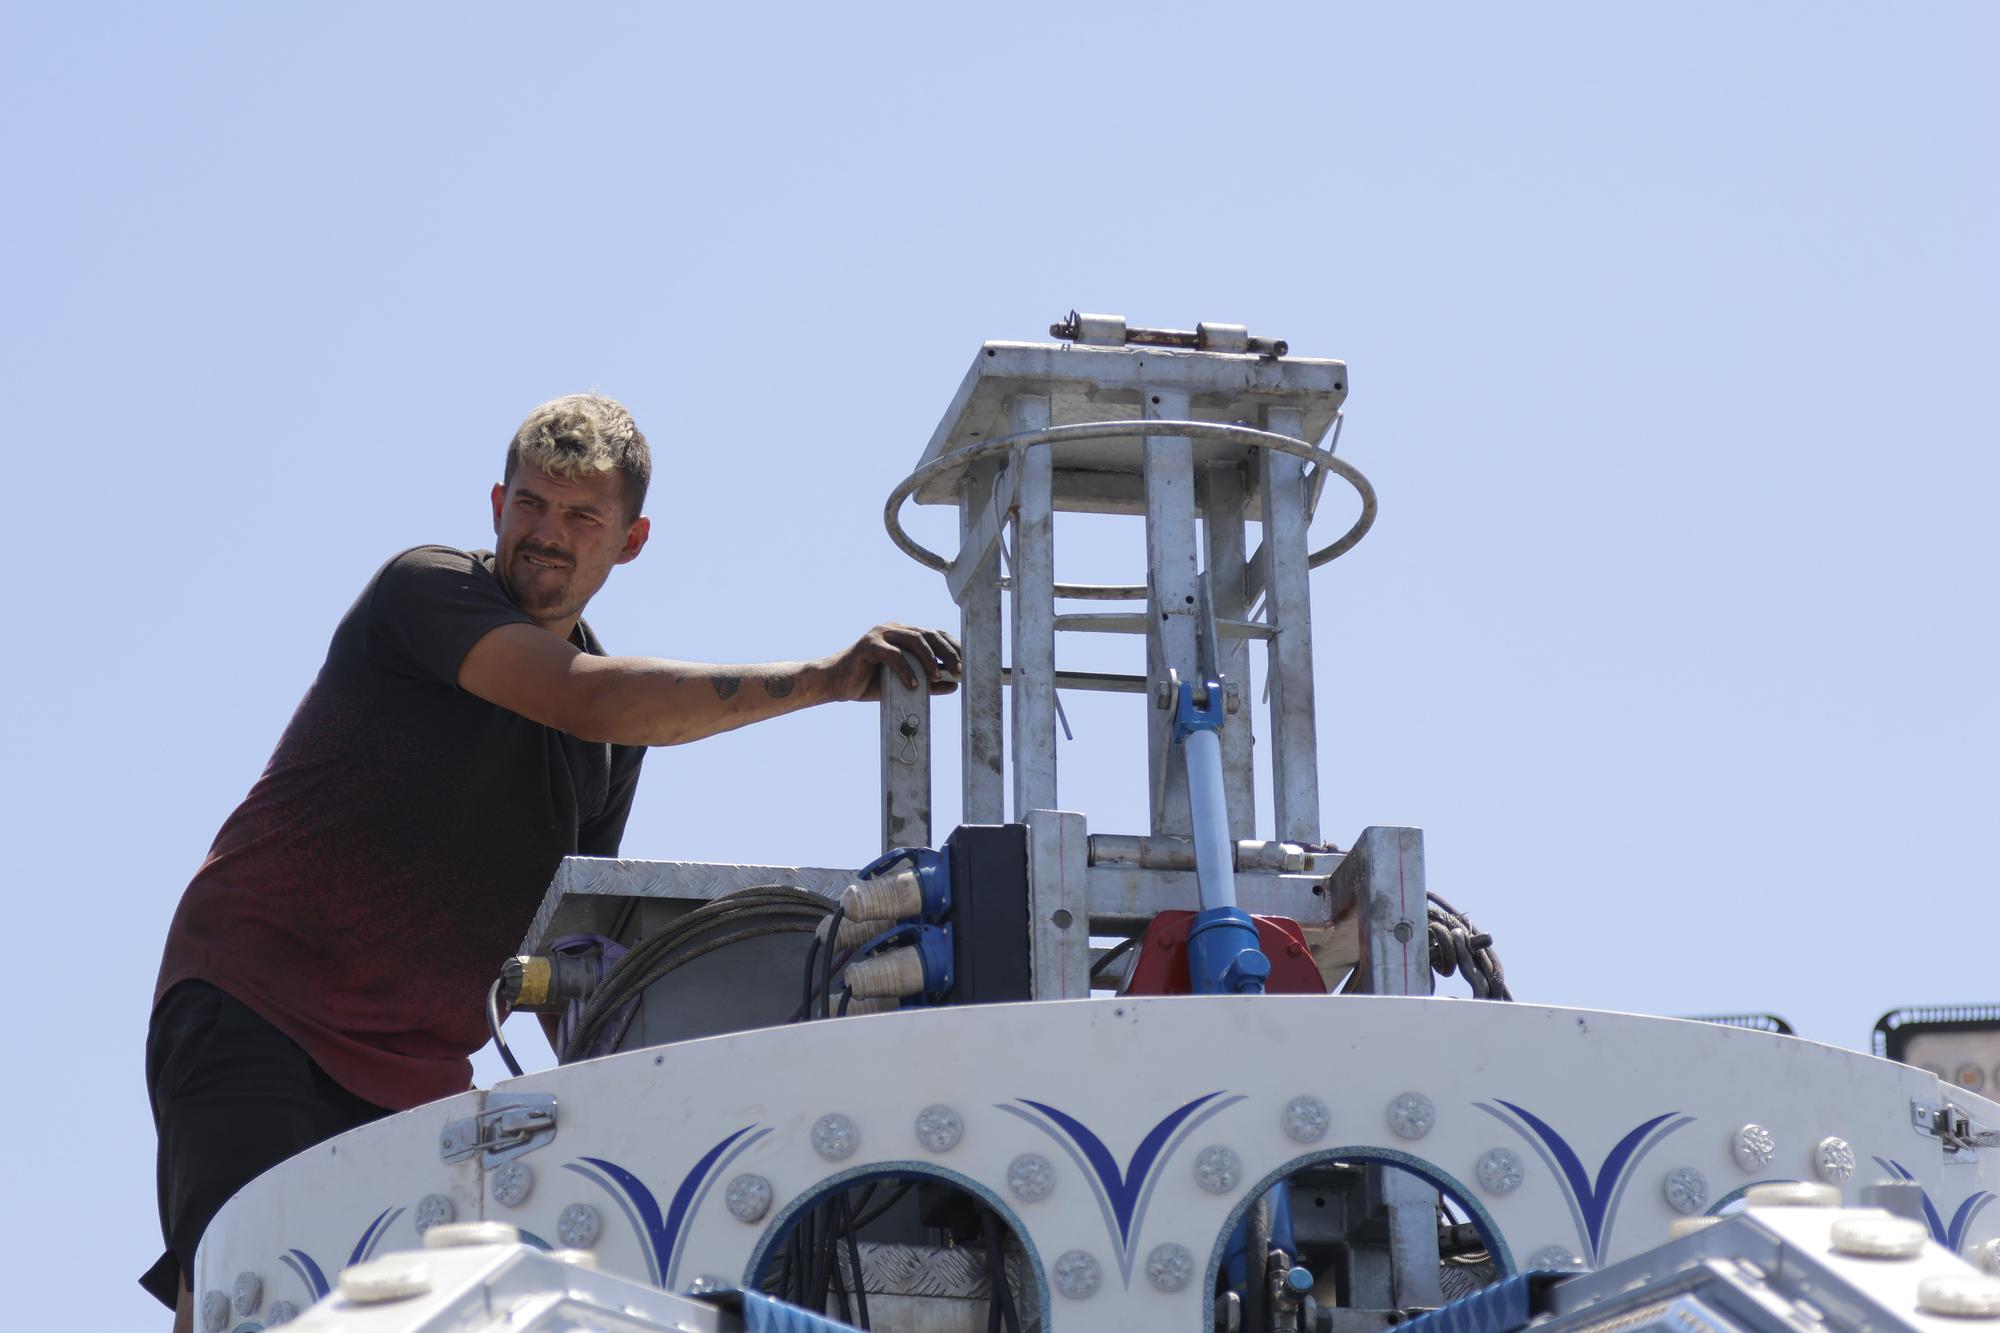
{"x":1288,"y":601}
{"x":1059,"y":905}
{"x":1385,"y":873}
{"x":1222,"y":524}
{"x":982,"y":746}
{"x":1034,"y":665}
{"x":1170,"y":598}
{"x":906,"y":760}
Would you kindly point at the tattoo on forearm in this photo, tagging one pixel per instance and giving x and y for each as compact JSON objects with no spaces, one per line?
{"x":778,"y":686}
{"x":725,"y":685}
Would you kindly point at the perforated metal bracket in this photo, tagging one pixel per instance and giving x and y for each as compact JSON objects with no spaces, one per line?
{"x":1961,"y":1135}
{"x":510,"y":1125}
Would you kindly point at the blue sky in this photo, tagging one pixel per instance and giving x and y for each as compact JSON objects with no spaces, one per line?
{"x":1671,"y":337}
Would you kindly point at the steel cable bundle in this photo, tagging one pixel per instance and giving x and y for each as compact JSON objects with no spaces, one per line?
{"x":748,"y":914}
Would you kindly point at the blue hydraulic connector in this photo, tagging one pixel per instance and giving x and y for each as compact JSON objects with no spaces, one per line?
{"x":1223,"y":957}
{"x":923,"y":916}
{"x":933,"y":872}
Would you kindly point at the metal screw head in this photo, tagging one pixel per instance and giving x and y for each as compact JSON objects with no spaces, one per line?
{"x":513,"y":1182}
{"x":1753,"y":1147}
{"x":434,"y":1210}
{"x":1305,"y":1119}
{"x":1412,"y":1115}
{"x":281,"y":1312}
{"x":1554,"y":1259}
{"x":1217,"y":1169}
{"x":835,"y":1137}
{"x":1962,"y":1295}
{"x":214,"y":1311}
{"x":1833,"y":1158}
{"x":1500,"y":1171}
{"x":939,"y":1128}
{"x":1870,"y":1233}
{"x":748,"y":1197}
{"x":1031,"y":1177}
{"x":577,"y":1226}
{"x":1077,"y":1274}
{"x":247,"y":1294}
{"x":1987,"y":1256}
{"x":1686,"y":1190}
{"x":1170,"y":1267}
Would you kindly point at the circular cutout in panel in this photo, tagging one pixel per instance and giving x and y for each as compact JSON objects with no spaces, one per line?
{"x":896,"y":1235}
{"x":1323,"y":1216}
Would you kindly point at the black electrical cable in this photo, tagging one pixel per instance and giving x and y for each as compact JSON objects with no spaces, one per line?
{"x":996,"y":1278}
{"x":894,"y":1197}
{"x":854,"y":1262}
{"x":493,"y":1026}
{"x":756,"y":912}
{"x":1256,"y":1262}
{"x":1002,"y":1307}
{"x":1112,"y":955}
{"x":806,"y":987}
{"x":824,"y":993}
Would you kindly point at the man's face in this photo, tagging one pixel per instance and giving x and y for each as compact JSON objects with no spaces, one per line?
{"x":556,"y":540}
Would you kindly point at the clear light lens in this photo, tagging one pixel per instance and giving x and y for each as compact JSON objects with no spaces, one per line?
{"x":1970,"y":1077}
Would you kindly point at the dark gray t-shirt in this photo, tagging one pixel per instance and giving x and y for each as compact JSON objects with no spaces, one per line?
{"x":390,"y":858}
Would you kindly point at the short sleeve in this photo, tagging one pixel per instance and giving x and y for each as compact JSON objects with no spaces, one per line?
{"x":429,"y":606}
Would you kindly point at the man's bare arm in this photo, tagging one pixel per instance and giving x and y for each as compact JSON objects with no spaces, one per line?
{"x":654,"y":701}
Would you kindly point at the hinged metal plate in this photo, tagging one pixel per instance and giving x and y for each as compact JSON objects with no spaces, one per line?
{"x":511,"y":1124}
{"x":1961,"y":1135}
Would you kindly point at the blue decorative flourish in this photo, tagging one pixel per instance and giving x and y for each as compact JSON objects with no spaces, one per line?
{"x":660,"y":1232}
{"x":308,"y":1272}
{"x":1122,"y":1193}
{"x":1961,"y":1221}
{"x":372,"y":1237}
{"x":1593,"y":1204}
{"x":1950,"y":1235}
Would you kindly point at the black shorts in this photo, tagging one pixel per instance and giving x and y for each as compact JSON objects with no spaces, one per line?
{"x":232,"y":1097}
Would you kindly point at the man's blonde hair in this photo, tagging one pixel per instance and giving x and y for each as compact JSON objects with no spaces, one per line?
{"x":584,"y":435}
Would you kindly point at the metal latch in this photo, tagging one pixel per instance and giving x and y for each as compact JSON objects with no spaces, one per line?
{"x":1953,"y":1127}
{"x":511,"y":1124}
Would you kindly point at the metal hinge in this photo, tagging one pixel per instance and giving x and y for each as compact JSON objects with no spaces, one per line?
{"x":511,"y":1124}
{"x":1961,"y":1135}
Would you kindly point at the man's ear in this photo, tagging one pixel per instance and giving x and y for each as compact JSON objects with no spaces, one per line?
{"x":635,"y":540}
{"x":499,"y":498}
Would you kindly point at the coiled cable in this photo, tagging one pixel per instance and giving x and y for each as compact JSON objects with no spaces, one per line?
{"x":747,"y":914}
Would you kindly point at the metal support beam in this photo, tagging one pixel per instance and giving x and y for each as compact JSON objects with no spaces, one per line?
{"x":979,"y":540}
{"x":1170,"y":604}
{"x":1059,"y":905}
{"x":906,"y":759}
{"x":1222,"y":524}
{"x":1288,"y":606}
{"x":982,"y":746}
{"x":1034,"y":685}
{"x":1385,"y":873}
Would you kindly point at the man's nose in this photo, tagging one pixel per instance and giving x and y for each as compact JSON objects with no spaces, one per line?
{"x":551,"y":530}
